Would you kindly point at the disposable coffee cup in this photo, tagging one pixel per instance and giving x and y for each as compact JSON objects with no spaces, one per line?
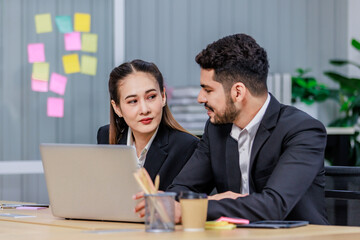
{"x":194,"y":211}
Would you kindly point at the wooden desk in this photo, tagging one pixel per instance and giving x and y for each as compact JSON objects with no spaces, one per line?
{"x":45,"y":226}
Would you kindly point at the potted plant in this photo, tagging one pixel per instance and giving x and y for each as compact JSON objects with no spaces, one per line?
{"x":348,"y":97}
{"x":307,"y":92}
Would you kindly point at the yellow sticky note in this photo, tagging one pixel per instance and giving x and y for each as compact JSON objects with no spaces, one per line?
{"x":89,"y":42}
{"x":71,"y":63}
{"x":219,"y":225}
{"x":41,"y":71}
{"x":88,"y":65}
{"x":82,"y":22}
{"x":43,"y":23}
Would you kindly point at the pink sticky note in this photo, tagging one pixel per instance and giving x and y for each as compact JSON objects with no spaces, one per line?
{"x":55,"y":107}
{"x":58,"y":83}
{"x":72,"y":41}
{"x":233,"y":220}
{"x":36,"y":52}
{"x":39,"y":86}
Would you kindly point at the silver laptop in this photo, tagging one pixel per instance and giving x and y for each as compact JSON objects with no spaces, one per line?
{"x":91,"y":181}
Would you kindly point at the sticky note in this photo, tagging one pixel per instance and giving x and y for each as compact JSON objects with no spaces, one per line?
{"x":64,"y":24}
{"x":39,"y":86}
{"x":88,"y":65}
{"x":36,"y":52}
{"x":233,"y":220}
{"x":55,"y":107}
{"x":41,"y":71}
{"x":58,"y":83}
{"x":72,"y":41}
{"x":89,"y":42}
{"x":82,"y":22}
{"x":43,"y":23}
{"x":71,"y":63}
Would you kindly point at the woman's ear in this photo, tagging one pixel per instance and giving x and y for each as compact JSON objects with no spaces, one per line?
{"x":116,"y":108}
{"x":163,"y":96}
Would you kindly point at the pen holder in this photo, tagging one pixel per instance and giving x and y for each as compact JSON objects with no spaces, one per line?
{"x":160,"y":212}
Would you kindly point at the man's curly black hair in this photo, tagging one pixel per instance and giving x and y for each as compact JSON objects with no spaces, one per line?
{"x":237,"y":58}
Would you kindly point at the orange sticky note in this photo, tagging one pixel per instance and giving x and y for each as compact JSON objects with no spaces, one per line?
{"x":71,"y":63}
{"x":82,"y":22}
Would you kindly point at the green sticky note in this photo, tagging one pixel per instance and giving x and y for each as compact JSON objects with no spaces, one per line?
{"x":88,"y":65}
{"x":64,"y":24}
{"x":71,"y":63}
{"x":43,"y":23}
{"x":41,"y":71}
{"x":89,"y":42}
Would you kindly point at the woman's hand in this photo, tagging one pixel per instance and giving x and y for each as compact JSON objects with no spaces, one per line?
{"x":140,"y":207}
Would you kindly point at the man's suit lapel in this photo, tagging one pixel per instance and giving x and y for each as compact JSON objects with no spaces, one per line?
{"x":156,"y":155}
{"x":232,"y":164}
{"x":267,"y":123}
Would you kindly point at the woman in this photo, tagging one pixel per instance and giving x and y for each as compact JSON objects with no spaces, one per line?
{"x":140,"y":117}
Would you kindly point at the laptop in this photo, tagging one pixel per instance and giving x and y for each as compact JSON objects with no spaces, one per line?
{"x":93,"y":182}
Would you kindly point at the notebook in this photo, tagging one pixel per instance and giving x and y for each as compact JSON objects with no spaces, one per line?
{"x":91,"y":181}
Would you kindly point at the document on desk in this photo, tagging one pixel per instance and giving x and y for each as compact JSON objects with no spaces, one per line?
{"x":14,"y":215}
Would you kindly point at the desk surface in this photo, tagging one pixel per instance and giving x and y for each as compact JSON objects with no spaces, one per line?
{"x":45,"y":226}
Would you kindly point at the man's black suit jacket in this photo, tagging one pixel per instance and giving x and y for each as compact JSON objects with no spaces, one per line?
{"x":168,"y":153}
{"x":286,"y":175}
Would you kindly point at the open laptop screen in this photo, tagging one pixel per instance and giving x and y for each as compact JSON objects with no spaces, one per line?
{"x":91,"y":181}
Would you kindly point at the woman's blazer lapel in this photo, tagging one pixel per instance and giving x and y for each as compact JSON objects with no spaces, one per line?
{"x":157,"y":155}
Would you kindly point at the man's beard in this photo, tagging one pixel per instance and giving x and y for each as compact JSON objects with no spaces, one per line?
{"x":228,"y":116}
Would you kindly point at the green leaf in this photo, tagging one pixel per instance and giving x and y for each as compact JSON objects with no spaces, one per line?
{"x":355,"y":44}
{"x":308,"y":101}
{"x":311,"y":82}
{"x":350,"y":85}
{"x":345,"y":106}
{"x":337,"y":62}
{"x":300,"y":81}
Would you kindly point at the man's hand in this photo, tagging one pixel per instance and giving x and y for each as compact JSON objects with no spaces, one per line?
{"x":227,"y":194}
{"x":140,"y":207}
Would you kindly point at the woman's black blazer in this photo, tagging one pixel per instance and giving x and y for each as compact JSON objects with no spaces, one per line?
{"x":168,"y":153}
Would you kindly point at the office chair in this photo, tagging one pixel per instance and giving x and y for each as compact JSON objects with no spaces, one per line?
{"x":342,"y":193}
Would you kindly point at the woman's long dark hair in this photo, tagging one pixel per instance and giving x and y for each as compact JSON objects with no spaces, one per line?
{"x":118,"y":124}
